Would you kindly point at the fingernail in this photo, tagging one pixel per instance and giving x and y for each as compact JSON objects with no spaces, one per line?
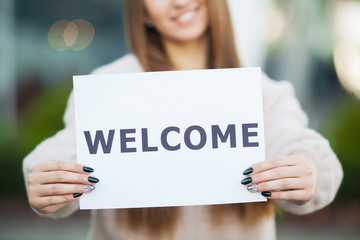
{"x":93,"y":179}
{"x":252,"y":188}
{"x":88,"y":169}
{"x":76,"y":195}
{"x":88,"y":187}
{"x":248,"y":171}
{"x":266,"y":194}
{"x":246,"y":180}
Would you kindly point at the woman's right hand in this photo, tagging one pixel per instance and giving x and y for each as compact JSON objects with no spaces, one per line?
{"x":51,"y":185}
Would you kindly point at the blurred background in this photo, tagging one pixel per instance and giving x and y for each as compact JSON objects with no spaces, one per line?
{"x":313,"y":44}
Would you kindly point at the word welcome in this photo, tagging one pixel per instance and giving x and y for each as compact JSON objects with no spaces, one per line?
{"x":216,"y":134}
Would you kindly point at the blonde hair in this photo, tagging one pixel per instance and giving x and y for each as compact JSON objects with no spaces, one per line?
{"x":146,"y":44}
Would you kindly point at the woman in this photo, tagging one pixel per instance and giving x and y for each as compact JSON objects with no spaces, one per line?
{"x":301,"y":172}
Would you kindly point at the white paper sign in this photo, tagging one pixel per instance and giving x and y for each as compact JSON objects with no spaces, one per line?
{"x":169,"y":138}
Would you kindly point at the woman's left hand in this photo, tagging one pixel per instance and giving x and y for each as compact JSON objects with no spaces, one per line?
{"x":290,"y":178}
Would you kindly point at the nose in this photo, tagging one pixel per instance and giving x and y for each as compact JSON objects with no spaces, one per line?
{"x":180,"y":3}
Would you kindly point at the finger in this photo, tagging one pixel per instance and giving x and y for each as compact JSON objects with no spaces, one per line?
{"x":273,"y":163}
{"x":64,"y":177}
{"x":51,"y":209}
{"x":62,"y":166}
{"x":64,"y":189}
{"x":282,"y":184}
{"x":275,"y":173}
{"x":54,"y":200}
{"x":294,"y":195}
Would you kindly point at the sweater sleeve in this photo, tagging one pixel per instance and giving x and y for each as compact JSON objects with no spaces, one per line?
{"x":60,"y":147}
{"x":286,"y":131}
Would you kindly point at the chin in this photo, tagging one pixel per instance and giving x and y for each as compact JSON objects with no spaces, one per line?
{"x":188,"y":35}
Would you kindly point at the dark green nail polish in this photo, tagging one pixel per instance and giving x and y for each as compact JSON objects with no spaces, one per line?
{"x":266,"y":194}
{"x":88,"y":169}
{"x":246,"y":180}
{"x":76,"y":195}
{"x":248,"y":171}
{"x":93,"y":179}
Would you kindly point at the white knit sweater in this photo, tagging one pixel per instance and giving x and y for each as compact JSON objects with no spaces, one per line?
{"x":285,"y":132}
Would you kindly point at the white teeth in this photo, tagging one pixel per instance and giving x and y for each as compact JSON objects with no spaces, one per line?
{"x":187,"y":16}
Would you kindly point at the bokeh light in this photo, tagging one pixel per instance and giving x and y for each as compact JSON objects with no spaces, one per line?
{"x":346,"y":28}
{"x":71,"y":33}
{"x":272,"y":25}
{"x":65,"y":34}
{"x":56,"y":35}
{"x":347,"y":64}
{"x":86,"y":33}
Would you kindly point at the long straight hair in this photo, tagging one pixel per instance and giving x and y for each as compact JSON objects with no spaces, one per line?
{"x":146,"y":43}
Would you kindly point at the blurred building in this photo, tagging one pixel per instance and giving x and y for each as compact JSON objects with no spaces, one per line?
{"x":45,"y":42}
{"x":7,"y":61}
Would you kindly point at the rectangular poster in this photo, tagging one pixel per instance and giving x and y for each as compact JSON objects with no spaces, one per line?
{"x":173,"y":138}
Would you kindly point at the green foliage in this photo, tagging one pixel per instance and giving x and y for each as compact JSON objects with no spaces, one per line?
{"x":343,"y":131}
{"x":42,"y":119}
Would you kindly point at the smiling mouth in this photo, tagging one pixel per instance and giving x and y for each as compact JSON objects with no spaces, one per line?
{"x":186,"y":16}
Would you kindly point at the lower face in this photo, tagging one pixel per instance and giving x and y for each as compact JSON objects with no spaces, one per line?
{"x":179,"y":20}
